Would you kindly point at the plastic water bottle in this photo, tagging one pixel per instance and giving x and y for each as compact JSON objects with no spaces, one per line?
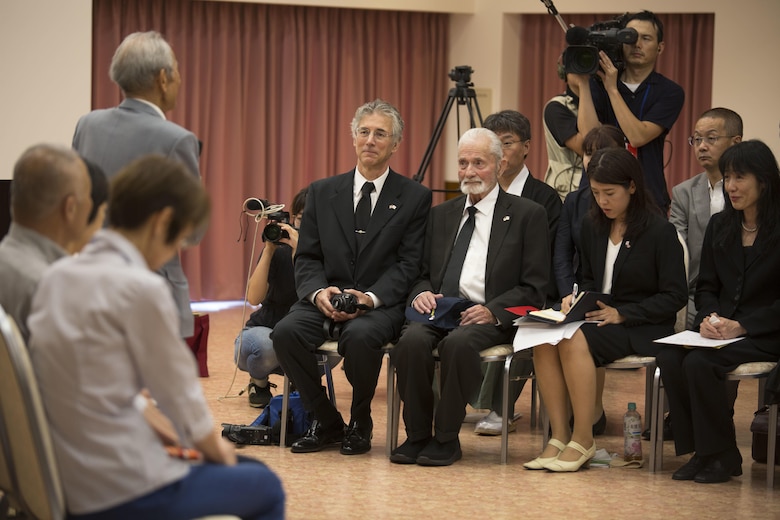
{"x":632,"y":434}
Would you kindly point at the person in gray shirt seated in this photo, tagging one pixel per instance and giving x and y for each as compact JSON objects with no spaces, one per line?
{"x":50,"y":202}
{"x":104,"y":327}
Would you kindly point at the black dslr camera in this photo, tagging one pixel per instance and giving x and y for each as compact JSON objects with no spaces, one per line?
{"x":241,"y":434}
{"x":582,"y":54}
{"x":273,"y":232}
{"x":345,"y":302}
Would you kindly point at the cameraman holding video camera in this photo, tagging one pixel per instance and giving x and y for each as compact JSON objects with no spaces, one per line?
{"x":641,"y":102}
{"x":273,"y":284}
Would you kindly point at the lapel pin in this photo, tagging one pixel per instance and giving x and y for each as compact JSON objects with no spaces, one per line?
{"x":392,"y":207}
{"x":628,"y":244}
{"x":506,"y":218}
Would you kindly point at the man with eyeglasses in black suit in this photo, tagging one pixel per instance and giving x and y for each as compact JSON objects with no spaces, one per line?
{"x":362,"y":235}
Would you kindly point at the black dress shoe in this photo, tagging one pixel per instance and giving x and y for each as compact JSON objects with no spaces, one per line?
{"x":690,"y":469}
{"x":318,"y":437}
{"x":440,"y":453}
{"x":720,"y":469}
{"x":407,"y":452}
{"x":357,"y":440}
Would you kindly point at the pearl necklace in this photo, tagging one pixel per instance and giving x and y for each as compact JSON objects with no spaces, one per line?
{"x":747,"y":229}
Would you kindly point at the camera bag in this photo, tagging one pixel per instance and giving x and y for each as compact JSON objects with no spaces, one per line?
{"x":298,"y":419}
{"x":760,"y":429}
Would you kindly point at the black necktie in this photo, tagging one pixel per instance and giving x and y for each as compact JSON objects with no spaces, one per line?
{"x":363,"y":211}
{"x":450,"y":285}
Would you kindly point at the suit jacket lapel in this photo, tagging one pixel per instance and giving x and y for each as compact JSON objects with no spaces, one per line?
{"x":600,"y":252}
{"x":451,"y":225}
{"x":387,"y":206}
{"x":701,"y":201}
{"x":502,"y":219}
{"x":342,"y":201}
{"x":623,"y":252}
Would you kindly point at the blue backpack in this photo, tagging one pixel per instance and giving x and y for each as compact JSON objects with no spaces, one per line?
{"x":298,"y":419}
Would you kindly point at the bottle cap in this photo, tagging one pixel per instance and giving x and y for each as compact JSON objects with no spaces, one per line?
{"x":632,"y":406}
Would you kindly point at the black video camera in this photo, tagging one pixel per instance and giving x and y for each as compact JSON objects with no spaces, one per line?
{"x":273,"y":232}
{"x":582,"y":54}
{"x":461,"y":74}
{"x":242,"y":434}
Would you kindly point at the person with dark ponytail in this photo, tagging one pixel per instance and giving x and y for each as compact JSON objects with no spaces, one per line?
{"x":632,"y":253}
{"x":735,"y":296}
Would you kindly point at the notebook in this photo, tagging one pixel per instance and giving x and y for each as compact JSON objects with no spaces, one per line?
{"x":584,"y":302}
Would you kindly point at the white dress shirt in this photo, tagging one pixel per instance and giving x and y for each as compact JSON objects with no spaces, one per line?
{"x":518,"y":183}
{"x":472,"y":278}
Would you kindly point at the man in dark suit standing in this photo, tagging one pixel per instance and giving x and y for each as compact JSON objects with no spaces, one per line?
{"x":362,"y":234}
{"x":145,"y":68}
{"x":504,"y":263}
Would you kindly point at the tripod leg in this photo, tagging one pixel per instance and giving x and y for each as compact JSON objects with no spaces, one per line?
{"x":420,"y":175}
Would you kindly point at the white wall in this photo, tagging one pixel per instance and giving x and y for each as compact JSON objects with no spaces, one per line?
{"x":45,"y":55}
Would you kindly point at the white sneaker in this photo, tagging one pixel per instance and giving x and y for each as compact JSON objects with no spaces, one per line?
{"x":491,"y":425}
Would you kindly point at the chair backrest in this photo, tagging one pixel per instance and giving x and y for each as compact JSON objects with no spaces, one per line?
{"x":682,"y":315}
{"x":29,"y":469}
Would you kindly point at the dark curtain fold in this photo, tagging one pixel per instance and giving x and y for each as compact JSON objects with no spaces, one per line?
{"x":687,"y":60}
{"x":270,"y":91}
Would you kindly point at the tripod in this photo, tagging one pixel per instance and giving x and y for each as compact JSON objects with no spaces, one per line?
{"x":465,"y":95}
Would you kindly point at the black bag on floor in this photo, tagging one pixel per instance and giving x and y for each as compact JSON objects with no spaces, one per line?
{"x":298,"y":419}
{"x":760,"y":429}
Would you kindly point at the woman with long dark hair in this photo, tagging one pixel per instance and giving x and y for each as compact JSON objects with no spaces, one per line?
{"x":736,"y":296}
{"x":632,"y":253}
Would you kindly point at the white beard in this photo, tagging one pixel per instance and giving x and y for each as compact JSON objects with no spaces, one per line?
{"x":473,"y":188}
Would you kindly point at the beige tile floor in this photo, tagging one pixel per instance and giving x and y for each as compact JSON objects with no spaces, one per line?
{"x":327,"y":485}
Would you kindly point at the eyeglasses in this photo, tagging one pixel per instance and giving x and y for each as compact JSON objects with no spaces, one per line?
{"x":379,"y":135}
{"x":710,"y":139}
{"x":508,"y":144}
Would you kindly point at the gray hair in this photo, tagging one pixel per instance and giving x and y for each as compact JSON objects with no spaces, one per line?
{"x":42,"y":178}
{"x":476,"y":135}
{"x":384,"y":108}
{"x":138,"y":60}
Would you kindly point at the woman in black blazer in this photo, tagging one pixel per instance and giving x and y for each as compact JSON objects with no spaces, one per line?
{"x":632,"y":253}
{"x":736,"y":295}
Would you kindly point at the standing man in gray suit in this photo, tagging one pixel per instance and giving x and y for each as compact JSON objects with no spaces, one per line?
{"x":694,"y":201}
{"x":145,"y":68}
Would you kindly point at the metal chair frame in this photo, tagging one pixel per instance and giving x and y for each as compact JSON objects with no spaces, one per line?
{"x":755,"y":370}
{"x":325,"y":351}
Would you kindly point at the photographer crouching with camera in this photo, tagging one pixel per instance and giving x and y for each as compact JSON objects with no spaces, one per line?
{"x":641,"y":102}
{"x":362,"y":234}
{"x":273,"y":284}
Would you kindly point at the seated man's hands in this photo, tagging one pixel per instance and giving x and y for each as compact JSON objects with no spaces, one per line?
{"x":323,"y":298}
{"x":425,"y":302}
{"x":477,"y":315}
